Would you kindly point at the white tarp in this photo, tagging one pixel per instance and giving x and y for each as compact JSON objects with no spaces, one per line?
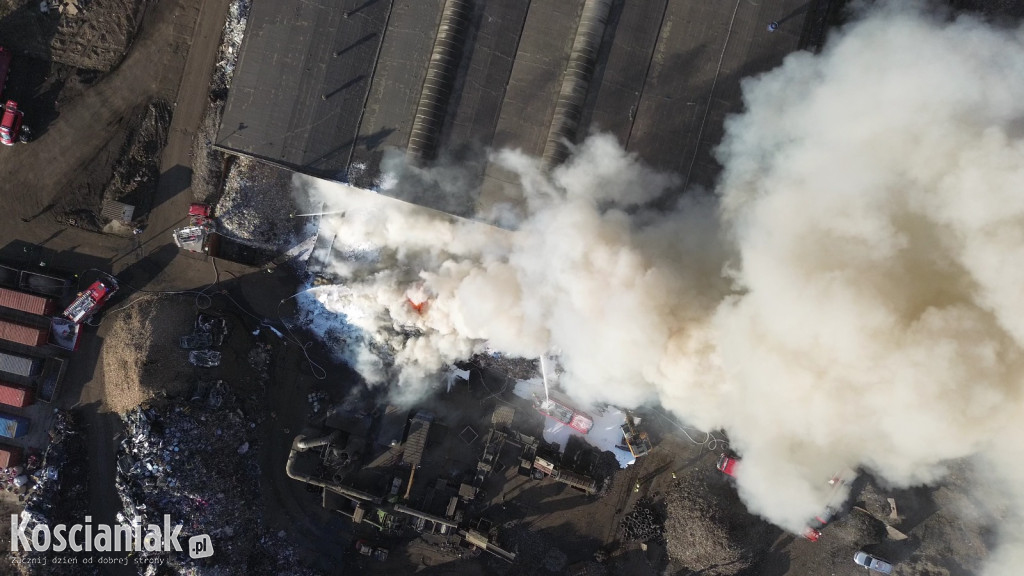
{"x":605,"y":434}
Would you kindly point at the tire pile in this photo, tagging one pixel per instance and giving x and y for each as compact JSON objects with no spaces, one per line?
{"x":644,"y":523}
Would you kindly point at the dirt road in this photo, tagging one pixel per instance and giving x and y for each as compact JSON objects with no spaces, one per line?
{"x":172,"y":59}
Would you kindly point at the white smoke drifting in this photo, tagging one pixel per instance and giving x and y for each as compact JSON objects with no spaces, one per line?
{"x":853,"y":296}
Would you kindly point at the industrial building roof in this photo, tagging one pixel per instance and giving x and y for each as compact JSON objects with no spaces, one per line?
{"x":326,"y":87}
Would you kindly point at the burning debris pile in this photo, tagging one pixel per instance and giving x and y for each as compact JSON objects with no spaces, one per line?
{"x":644,"y":523}
{"x":56,"y":487}
{"x":198,"y":465}
{"x":510,"y":366}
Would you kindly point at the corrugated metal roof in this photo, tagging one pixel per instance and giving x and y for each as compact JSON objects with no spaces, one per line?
{"x":417,"y":439}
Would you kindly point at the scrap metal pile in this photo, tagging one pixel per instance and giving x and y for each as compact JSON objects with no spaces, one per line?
{"x":644,"y":523}
{"x":56,"y":487}
{"x":198,"y":464}
{"x":209,"y":333}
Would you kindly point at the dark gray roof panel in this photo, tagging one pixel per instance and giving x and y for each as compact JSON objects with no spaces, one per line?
{"x":301,"y":81}
{"x":536,"y":75}
{"x":633,"y":31}
{"x":487,"y":65}
{"x":396,"y":86}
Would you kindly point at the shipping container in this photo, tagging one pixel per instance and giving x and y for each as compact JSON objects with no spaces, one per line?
{"x":22,"y":334}
{"x":19,"y":365}
{"x":12,"y":426}
{"x":13,"y":395}
{"x":26,"y":302}
{"x":9,"y":456}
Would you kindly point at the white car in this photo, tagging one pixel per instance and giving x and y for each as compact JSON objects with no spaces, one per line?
{"x":862,"y":558}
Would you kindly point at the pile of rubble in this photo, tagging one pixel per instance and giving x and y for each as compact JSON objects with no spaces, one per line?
{"x":198,"y":465}
{"x":510,"y":366}
{"x":259,"y":359}
{"x":644,"y":523}
{"x":16,"y":478}
{"x":257,"y":205}
{"x":231,"y":43}
{"x":708,"y":526}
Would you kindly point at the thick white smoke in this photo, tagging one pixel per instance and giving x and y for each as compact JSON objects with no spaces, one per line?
{"x":852,"y":296}
{"x":875,"y":196}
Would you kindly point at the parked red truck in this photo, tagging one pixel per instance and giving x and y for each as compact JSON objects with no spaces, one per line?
{"x":16,"y":396}
{"x":90,"y":300}
{"x":22,"y":334}
{"x":12,"y":130}
{"x":26,"y":302}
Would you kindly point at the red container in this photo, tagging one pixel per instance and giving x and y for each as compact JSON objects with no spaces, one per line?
{"x":9,"y":456}
{"x":16,"y":396}
{"x":22,"y":334}
{"x":26,"y":302}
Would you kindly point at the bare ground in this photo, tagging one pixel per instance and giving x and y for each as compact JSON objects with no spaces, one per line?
{"x":96,"y":39}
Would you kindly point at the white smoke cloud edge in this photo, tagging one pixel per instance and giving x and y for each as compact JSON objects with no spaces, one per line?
{"x":850,"y":296}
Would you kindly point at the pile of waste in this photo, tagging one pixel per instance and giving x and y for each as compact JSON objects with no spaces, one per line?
{"x":231,"y":43}
{"x":510,"y":366}
{"x":209,"y":333}
{"x":644,"y":523}
{"x":197,"y":464}
{"x":56,"y":490}
{"x":708,"y":529}
{"x":16,"y":478}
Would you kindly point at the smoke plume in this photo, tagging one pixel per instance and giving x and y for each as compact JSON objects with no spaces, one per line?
{"x":850,"y":296}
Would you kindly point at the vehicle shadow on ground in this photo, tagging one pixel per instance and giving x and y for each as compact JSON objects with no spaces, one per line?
{"x":147,"y":268}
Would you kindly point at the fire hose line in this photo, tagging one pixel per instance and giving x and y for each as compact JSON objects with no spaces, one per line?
{"x":204,"y":301}
{"x":711,"y":442}
{"x":318,"y":371}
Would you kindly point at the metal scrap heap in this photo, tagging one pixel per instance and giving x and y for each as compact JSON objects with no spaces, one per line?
{"x":56,"y":489}
{"x":197,"y":463}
